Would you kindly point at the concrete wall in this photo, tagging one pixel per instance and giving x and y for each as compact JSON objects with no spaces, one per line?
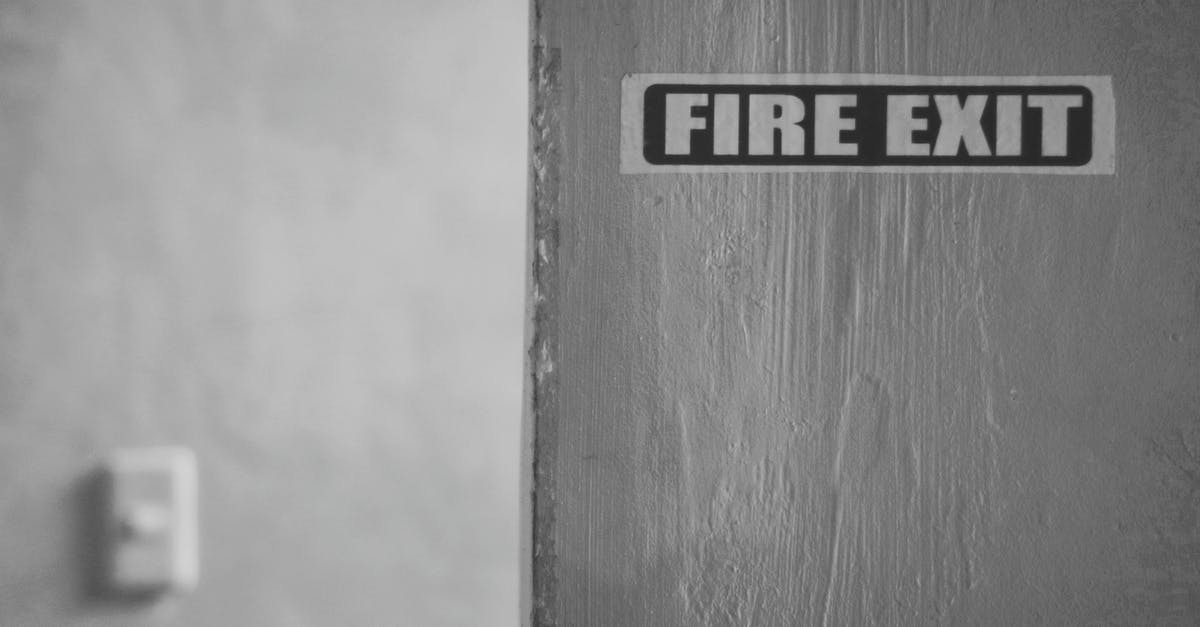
{"x":287,"y":234}
{"x":865,"y":399}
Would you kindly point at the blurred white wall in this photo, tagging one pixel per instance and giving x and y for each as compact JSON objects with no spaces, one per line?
{"x":288,"y":234}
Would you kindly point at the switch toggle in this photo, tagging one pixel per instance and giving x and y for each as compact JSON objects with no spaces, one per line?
{"x":151,"y":526}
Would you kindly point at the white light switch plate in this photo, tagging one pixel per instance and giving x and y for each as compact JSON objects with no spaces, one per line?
{"x":151,"y":525}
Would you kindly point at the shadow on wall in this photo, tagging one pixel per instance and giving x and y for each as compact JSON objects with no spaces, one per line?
{"x":88,"y":498}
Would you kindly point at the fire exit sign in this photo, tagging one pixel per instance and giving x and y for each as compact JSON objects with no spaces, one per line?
{"x":866,"y":122}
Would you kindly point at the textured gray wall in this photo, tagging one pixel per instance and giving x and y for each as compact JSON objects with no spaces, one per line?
{"x":288,"y":234}
{"x":769,"y":399}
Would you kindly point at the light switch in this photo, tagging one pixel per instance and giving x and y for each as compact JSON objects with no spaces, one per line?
{"x":151,"y":526}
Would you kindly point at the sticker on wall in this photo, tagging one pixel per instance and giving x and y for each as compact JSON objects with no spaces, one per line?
{"x":866,"y":123}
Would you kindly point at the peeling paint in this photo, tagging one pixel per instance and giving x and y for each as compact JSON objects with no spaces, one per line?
{"x":543,"y":342}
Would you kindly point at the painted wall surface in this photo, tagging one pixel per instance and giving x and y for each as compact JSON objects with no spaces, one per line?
{"x":864,"y":399}
{"x":287,"y":234}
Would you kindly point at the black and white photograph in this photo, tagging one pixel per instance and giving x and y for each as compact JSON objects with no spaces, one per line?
{"x":599,"y":313}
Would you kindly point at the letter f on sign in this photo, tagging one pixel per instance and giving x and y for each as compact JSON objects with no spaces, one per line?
{"x":680,"y":122}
